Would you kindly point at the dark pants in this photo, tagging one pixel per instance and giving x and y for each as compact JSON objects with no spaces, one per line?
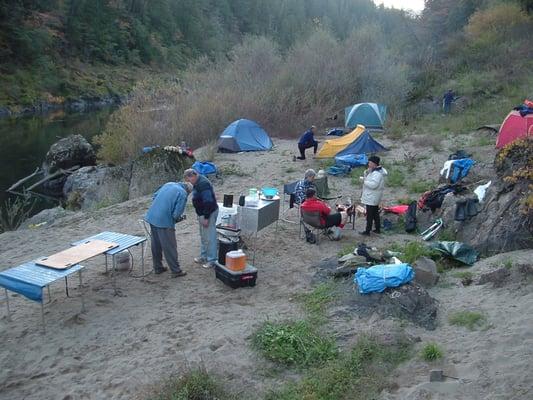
{"x":303,"y":147}
{"x":372,"y":215}
{"x":164,"y":242}
{"x":333,"y":220}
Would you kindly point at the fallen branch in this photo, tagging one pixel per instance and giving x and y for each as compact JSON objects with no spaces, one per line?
{"x":21,"y":181}
{"x":52,"y":176}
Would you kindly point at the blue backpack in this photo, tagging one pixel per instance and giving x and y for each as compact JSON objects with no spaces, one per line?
{"x":204,"y":167}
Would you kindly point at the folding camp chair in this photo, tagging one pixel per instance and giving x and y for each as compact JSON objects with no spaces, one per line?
{"x":312,"y":218}
{"x":288,"y":197}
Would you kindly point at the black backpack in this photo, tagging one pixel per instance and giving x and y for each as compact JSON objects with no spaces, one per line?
{"x":410,"y":218}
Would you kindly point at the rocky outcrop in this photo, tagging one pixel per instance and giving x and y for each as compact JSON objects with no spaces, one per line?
{"x":505,"y":221}
{"x":100,"y":186}
{"x":68,"y":152}
{"x":45,"y":217}
{"x":97,"y":186}
{"x":153,"y":169}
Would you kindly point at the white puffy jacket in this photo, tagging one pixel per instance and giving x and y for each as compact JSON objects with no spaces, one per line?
{"x":373,"y":186}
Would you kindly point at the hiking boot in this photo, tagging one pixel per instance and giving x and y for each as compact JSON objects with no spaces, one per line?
{"x":293,"y":158}
{"x":376,"y":231}
{"x":199,"y":260}
{"x":208,"y":265}
{"x":364,"y":233}
{"x":178,"y":274}
{"x":160,"y":270}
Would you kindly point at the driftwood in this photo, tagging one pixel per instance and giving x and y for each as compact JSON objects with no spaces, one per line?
{"x":52,"y":176}
{"x":21,"y":181}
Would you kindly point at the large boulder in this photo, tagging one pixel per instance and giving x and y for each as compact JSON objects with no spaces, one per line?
{"x":44,"y":218}
{"x":426,"y":272}
{"x":505,"y":222}
{"x":97,"y":186}
{"x":68,"y":152}
{"x":153,"y":169}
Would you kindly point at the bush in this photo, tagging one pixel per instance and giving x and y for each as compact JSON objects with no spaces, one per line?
{"x":412,"y":251}
{"x":193,"y":385}
{"x":293,"y":344}
{"x":395,"y":177}
{"x":468,"y":319}
{"x":431,"y":352}
{"x":15,"y":212}
{"x":359,"y":374}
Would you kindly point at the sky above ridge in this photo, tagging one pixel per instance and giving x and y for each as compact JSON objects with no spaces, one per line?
{"x":412,"y":5}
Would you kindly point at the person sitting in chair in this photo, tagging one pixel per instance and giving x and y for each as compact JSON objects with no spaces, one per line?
{"x":328,"y":217}
{"x":302,"y":186}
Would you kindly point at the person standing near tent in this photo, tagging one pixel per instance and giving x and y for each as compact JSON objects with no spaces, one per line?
{"x":205,"y":204}
{"x":373,"y":187}
{"x":307,"y":140}
{"x":166,"y":210}
{"x":447,"y":101}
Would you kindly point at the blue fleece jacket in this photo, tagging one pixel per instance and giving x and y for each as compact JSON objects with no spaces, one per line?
{"x":307,"y":138}
{"x":167,"y":206}
{"x":203,"y":197}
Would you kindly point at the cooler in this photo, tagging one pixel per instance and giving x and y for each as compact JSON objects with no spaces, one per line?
{"x":236,"y":279}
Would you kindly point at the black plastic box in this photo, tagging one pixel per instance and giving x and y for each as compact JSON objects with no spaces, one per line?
{"x":236,"y":279}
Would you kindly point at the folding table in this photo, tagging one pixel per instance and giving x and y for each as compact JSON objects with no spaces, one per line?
{"x":30,"y":279}
{"x":124,"y":242}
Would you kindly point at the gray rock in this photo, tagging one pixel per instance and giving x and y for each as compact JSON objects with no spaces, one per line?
{"x":68,"y":152}
{"x":436,"y":375}
{"x":347,"y":257}
{"x":153,"y":169}
{"x":426,"y":272}
{"x":45,"y":217}
{"x":97,"y":186}
{"x":497,"y":277}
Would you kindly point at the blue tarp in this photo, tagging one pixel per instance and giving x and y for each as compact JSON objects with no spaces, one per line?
{"x":244,"y":135}
{"x":205,"y":167}
{"x":371,"y":115}
{"x":364,"y":144}
{"x":379,"y":277}
{"x":353,"y":160}
{"x":336,"y":132}
{"x":337,"y":170}
{"x":460,"y":169}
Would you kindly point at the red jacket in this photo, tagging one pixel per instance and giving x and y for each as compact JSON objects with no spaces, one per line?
{"x":313,"y":205}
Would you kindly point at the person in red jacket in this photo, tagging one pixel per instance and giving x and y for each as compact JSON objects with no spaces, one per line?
{"x":327,"y":217}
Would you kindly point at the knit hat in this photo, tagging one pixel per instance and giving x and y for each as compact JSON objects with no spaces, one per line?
{"x":374,"y":159}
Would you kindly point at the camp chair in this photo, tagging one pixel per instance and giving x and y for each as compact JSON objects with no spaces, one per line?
{"x":312,"y":218}
{"x":288,"y":193}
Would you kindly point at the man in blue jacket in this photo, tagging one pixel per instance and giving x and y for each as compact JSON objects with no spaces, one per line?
{"x":307,"y":140}
{"x":166,"y":210}
{"x":205,"y":204}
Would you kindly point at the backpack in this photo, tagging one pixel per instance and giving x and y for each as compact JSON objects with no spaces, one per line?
{"x":410,"y":218}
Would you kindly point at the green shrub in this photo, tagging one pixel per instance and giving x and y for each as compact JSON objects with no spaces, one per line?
{"x":421,"y":186}
{"x":431,"y":352}
{"x":412,"y":251}
{"x":395,"y":177}
{"x":194,"y":385}
{"x":468,"y":319}
{"x":232,"y":169}
{"x":14,"y":212}
{"x":464,"y":275}
{"x":294,"y":344}
{"x":315,"y":302}
{"x":359,"y":374}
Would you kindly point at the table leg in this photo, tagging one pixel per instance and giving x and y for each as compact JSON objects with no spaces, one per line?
{"x":113,"y":274}
{"x":49,"y":295}
{"x":42,"y":317}
{"x":81,"y":293}
{"x":105,"y":263}
{"x":66,"y":286}
{"x":142,"y":257}
{"x":7,"y":305}
{"x":255,"y":248}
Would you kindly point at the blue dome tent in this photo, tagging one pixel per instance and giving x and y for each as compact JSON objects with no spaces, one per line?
{"x":244,"y":135}
{"x":371,"y":115}
{"x":364,"y":144}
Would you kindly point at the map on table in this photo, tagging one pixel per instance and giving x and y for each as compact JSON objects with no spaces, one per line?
{"x":76,"y":254}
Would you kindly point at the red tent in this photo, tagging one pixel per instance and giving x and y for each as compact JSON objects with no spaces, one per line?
{"x":514,"y":127}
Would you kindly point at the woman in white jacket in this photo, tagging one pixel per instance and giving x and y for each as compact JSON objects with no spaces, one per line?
{"x":373,"y":187}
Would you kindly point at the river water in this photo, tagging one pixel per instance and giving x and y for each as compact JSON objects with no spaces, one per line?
{"x":25,"y":141}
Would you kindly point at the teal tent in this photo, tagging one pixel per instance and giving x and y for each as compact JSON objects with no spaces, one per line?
{"x":244,"y":135}
{"x":371,"y":115}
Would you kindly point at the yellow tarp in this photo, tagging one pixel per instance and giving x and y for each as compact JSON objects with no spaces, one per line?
{"x":333,"y":146}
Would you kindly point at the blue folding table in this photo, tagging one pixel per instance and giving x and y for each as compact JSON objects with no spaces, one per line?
{"x":124,"y":242}
{"x":30,"y":279}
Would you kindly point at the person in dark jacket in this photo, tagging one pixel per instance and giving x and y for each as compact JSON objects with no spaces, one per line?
{"x":447,"y":101}
{"x":166,"y":210}
{"x":205,"y":204}
{"x":307,"y":140}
